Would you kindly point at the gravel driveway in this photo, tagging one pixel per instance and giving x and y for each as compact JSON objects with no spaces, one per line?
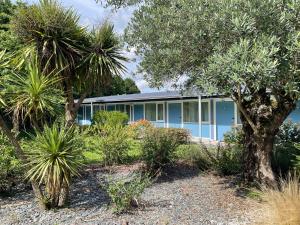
{"x":183,"y":197}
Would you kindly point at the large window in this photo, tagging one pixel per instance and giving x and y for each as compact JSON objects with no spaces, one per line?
{"x":190,"y":112}
{"x":160,"y":111}
{"x":204,"y":112}
{"x":120,"y":108}
{"x":150,"y":111}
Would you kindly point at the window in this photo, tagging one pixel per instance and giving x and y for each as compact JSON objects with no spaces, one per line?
{"x":88,"y":115}
{"x":160,"y":111}
{"x":111,"y":107}
{"x":190,"y":112}
{"x":150,"y":111}
{"x":120,"y":108}
{"x":127,"y":108}
{"x":80,"y":113}
{"x":204,"y":112}
{"x":96,"y":108}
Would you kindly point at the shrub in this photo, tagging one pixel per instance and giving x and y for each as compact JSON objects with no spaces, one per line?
{"x":114,"y":143}
{"x":229,"y":159}
{"x":199,"y":155}
{"x":159,"y":145}
{"x":285,"y":152}
{"x":139,"y":128}
{"x":10,"y":166}
{"x":55,"y":156}
{"x":282,"y":205}
{"x":112,"y":118}
{"x":235,"y":136}
{"x":125,"y":193}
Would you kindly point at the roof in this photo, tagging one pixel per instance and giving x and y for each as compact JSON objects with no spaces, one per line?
{"x":143,"y":97}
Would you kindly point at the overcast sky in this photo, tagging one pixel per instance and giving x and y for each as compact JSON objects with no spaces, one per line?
{"x":93,"y":14}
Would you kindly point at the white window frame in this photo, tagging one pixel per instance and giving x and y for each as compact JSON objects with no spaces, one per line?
{"x":160,"y":103}
{"x":191,"y":100}
{"x":209,"y":112}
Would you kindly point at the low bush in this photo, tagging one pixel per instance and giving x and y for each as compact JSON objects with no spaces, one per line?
{"x":159,"y":145}
{"x":111,"y":118}
{"x":199,"y":155}
{"x":125,"y":193}
{"x":115,"y":144}
{"x":139,"y":128}
{"x":285,"y":151}
{"x":282,"y":205}
{"x":10,"y":166}
{"x":229,"y":159}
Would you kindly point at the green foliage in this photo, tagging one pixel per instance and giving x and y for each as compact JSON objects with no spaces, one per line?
{"x":159,"y":145}
{"x":235,"y":136}
{"x":10,"y":166}
{"x":199,"y":155}
{"x":285,"y":151}
{"x":114,"y":144}
{"x":55,"y":156}
{"x":229,"y":160}
{"x":34,"y":94}
{"x":125,"y":193}
{"x":111,"y":118}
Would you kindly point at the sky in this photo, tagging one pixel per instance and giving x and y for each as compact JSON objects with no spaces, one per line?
{"x":92,"y":14}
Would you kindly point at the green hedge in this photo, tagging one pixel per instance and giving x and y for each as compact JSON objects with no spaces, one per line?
{"x":111,"y":118}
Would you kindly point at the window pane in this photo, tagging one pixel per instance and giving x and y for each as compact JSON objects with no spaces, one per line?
{"x":128,"y":110}
{"x":111,"y":108}
{"x":80,"y":113}
{"x":120,"y":108}
{"x":96,"y":108}
{"x":88,"y":112}
{"x":204,"y":112}
{"x":150,"y":112}
{"x":190,"y":112}
{"x":160,"y":112}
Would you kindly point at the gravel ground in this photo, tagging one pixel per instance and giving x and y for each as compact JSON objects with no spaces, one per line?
{"x":183,"y":197}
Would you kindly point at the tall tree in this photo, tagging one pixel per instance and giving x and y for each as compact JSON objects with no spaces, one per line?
{"x":131,"y":87}
{"x":61,"y":43}
{"x":246,"y":49}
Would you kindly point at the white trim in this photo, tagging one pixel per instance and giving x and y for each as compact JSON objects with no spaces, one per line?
{"x":182,"y":114}
{"x":92,"y":111}
{"x":215,"y":119}
{"x":200,"y":116}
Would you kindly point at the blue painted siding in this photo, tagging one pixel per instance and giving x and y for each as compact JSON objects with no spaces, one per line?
{"x":138,"y":111}
{"x":174,"y":115}
{"x":193,"y":128}
{"x":205,"y":130}
{"x":224,"y":118}
{"x":295,"y":115}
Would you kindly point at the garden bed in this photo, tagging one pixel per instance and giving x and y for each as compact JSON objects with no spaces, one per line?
{"x":184,"y":196}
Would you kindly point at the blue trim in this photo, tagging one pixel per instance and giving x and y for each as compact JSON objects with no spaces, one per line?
{"x":174,"y":115}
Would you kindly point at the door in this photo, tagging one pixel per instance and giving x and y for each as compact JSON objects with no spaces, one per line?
{"x":174,"y":115}
{"x":224,"y":118}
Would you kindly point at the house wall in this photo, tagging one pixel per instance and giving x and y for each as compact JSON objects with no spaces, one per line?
{"x":222,"y":116}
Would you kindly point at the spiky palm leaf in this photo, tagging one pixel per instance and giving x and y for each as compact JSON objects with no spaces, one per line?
{"x":55,"y":157}
{"x":104,"y":58}
{"x":54,"y":31}
{"x":4,"y":62}
{"x":34,"y":94}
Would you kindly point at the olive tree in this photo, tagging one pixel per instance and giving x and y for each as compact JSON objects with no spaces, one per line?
{"x":246,"y":49}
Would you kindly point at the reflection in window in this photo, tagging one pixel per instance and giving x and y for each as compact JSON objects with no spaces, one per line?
{"x":150,"y":111}
{"x":160,"y":111}
{"x":190,"y":112}
{"x":204,"y":112}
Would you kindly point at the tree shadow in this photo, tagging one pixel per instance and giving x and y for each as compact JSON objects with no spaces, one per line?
{"x":178,"y":171}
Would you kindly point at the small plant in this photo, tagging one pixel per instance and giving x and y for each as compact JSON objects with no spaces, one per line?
{"x":139,"y":128}
{"x":114,"y":144}
{"x":111,"y":118}
{"x":10,"y":167}
{"x":55,"y":156}
{"x":282,"y":205}
{"x":125,"y":193}
{"x":159,"y":145}
{"x":229,"y":160}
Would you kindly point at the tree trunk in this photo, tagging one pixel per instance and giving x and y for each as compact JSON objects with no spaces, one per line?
{"x":20,"y":154}
{"x":257,"y":157}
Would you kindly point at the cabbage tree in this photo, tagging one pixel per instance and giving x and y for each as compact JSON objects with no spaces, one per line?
{"x":59,"y":39}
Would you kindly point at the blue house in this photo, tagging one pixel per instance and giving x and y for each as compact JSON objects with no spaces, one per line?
{"x":207,"y":117}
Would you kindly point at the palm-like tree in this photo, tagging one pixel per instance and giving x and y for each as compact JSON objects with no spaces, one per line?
{"x":4,"y":64}
{"x":60,"y":40}
{"x":33,"y":95}
{"x":55,"y":158}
